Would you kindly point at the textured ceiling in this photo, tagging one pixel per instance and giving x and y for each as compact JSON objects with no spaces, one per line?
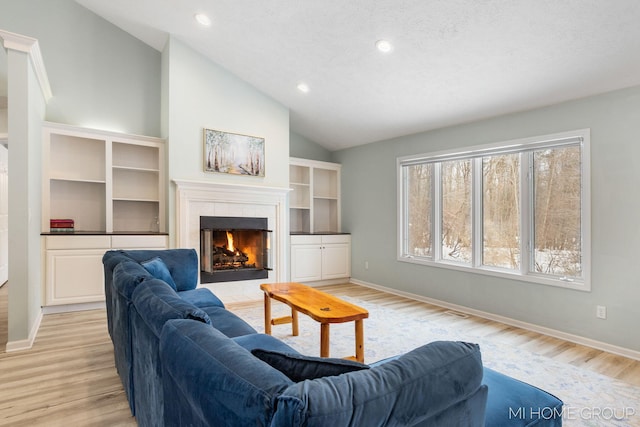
{"x":453,"y":61}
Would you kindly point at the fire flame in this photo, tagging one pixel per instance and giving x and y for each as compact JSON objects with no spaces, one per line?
{"x":230,"y":242}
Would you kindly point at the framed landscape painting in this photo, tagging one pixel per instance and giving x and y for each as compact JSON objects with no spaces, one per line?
{"x":233,"y":153}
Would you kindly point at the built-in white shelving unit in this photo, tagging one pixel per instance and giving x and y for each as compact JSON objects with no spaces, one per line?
{"x":104,"y":181}
{"x":314,"y":202}
{"x":319,"y":251}
{"x":112,"y":186}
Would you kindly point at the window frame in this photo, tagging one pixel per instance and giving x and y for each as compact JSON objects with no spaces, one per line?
{"x":527,"y":146}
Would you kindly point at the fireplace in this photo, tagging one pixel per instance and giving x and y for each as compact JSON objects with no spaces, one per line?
{"x":233,"y":249}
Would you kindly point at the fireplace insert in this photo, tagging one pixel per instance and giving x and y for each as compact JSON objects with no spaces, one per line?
{"x":233,"y":248}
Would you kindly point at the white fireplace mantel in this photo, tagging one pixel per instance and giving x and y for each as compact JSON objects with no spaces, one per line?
{"x":199,"y":198}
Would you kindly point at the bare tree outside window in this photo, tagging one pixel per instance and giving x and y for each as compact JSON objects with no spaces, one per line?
{"x":456,"y":210}
{"x":558,"y":189}
{"x":501,"y":211}
{"x":419,"y":224}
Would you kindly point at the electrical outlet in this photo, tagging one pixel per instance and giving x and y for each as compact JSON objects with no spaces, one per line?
{"x":601,"y":312}
{"x":366,"y":265}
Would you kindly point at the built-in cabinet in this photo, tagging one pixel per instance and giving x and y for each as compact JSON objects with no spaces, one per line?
{"x":112,"y":186}
{"x":74,"y":273}
{"x":317,"y":257}
{"x":314,"y":202}
{"x":319,"y":251}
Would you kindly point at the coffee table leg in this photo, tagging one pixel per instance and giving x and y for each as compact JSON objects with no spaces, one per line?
{"x":324,"y":340}
{"x":360,"y":341}
{"x":267,"y":314}
{"x":294,"y":322}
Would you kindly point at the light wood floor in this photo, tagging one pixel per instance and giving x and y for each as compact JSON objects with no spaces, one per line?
{"x":69,"y":378}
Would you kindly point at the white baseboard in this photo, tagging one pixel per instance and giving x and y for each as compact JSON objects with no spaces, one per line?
{"x":327,"y":282}
{"x":68,"y":308}
{"x":28,"y":343}
{"x":577,"y":339}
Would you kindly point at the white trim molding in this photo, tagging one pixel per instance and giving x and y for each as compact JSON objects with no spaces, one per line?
{"x":198,"y":198}
{"x":28,"y":343}
{"x":30,"y":46}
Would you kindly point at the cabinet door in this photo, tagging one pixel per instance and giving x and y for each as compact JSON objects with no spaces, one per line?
{"x":336,"y":261}
{"x":74,"y":276}
{"x":306,"y":263}
{"x":139,"y":242}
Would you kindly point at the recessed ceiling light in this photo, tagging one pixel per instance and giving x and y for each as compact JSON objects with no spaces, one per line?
{"x":384,"y":46}
{"x":303,"y":87}
{"x":203,"y":19}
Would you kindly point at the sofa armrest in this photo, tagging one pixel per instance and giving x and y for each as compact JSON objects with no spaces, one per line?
{"x":409,"y":390}
{"x":182,"y":264}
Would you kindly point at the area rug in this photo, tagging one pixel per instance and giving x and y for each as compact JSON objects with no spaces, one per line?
{"x":591,"y":400}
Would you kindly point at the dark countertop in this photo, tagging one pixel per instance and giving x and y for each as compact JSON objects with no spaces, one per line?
{"x":317,"y":233}
{"x":103,"y":233}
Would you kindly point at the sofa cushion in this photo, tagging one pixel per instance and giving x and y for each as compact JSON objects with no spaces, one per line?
{"x":222,"y":384}
{"x":158,"y":269}
{"x":263,"y":341}
{"x":228,"y":323}
{"x":127,"y":276}
{"x":110,"y":260}
{"x":514,"y":403}
{"x":201,"y":297}
{"x":299,"y":367}
{"x":410,"y":390}
{"x":157,"y":302}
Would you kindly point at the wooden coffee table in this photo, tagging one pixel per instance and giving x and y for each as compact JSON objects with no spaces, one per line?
{"x":320,"y":306}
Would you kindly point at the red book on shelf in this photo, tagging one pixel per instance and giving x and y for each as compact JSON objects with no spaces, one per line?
{"x":61,"y":223}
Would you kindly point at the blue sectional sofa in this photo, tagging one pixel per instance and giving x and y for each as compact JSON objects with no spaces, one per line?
{"x":184,"y":360}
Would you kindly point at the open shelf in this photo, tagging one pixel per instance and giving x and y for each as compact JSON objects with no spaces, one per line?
{"x":135,"y":216}
{"x":84,"y":202}
{"x":77,"y":158}
{"x":135,"y":184}
{"x":314,"y":201}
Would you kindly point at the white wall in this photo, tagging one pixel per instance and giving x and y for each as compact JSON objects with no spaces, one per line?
{"x":3,"y":120}
{"x":198,"y":94}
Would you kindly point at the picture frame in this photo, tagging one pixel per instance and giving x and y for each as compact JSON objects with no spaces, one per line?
{"x":233,"y":153}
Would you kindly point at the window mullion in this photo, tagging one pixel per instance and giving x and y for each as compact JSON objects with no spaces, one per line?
{"x":404,"y":213}
{"x":437,"y":211}
{"x":526,"y":212}
{"x":476,"y":209}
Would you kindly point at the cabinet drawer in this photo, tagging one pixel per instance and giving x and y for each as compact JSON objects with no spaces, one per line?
{"x":138,"y":241}
{"x":336,"y":238}
{"x":78,"y":242}
{"x":306,"y":239}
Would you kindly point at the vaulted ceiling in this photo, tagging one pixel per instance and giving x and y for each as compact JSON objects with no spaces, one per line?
{"x":452,"y":61}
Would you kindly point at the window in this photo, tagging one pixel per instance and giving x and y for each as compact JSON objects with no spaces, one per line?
{"x":519,"y":208}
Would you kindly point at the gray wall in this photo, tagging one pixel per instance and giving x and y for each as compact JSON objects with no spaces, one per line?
{"x":305,"y":148}
{"x":369,"y":212}
{"x":101,"y":77}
